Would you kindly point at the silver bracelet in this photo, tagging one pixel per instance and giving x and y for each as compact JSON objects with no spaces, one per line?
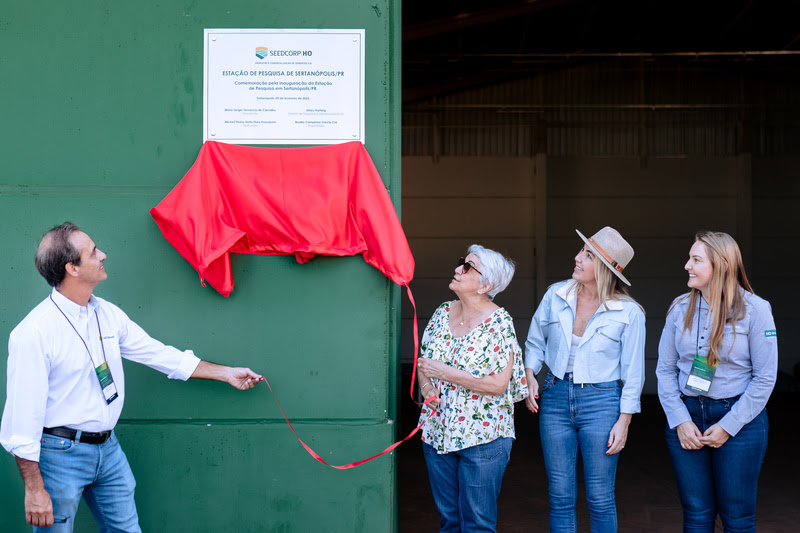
{"x":426,"y":385}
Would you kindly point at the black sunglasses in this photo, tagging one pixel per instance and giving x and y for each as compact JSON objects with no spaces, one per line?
{"x":467,"y":265}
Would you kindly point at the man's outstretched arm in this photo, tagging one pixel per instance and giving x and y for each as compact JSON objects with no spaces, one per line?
{"x":240,"y":378}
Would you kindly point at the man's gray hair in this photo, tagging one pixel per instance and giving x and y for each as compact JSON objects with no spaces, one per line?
{"x":496,"y":269}
{"x":55,"y":251}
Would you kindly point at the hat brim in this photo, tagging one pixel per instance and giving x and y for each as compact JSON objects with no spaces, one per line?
{"x":603,"y":259}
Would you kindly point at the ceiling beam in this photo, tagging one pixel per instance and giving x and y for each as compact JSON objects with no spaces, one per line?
{"x":461,"y":21}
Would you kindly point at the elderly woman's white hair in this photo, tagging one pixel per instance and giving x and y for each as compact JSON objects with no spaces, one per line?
{"x":496,"y":269}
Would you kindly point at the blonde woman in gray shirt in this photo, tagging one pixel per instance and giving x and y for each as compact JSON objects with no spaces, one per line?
{"x":717,"y":365}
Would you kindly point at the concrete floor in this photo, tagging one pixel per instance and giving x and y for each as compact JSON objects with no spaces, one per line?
{"x":647,"y":499}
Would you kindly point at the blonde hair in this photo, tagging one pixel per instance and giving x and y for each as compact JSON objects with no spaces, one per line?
{"x":724,"y":289}
{"x":609,"y":286}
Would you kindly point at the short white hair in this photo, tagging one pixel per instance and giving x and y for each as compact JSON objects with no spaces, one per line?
{"x":496,"y":269}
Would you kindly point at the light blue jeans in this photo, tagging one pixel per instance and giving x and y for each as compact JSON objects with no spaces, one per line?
{"x":466,"y":483}
{"x":579,"y":417}
{"x":98,"y":472}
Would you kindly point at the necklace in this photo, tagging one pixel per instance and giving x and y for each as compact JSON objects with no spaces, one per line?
{"x":473,"y":315}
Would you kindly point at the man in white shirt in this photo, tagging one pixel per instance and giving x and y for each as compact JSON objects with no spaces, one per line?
{"x":66,"y":390}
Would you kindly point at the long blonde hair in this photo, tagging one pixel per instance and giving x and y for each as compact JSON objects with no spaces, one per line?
{"x":609,"y":286}
{"x":724,"y":289}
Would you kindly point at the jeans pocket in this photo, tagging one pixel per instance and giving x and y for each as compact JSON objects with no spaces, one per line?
{"x":491,"y":450}
{"x":549,"y":380}
{"x":606,"y":386}
{"x":60,"y":519}
{"x":53,"y":444}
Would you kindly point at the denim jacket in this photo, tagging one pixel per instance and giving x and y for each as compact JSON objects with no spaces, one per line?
{"x":612,"y":346}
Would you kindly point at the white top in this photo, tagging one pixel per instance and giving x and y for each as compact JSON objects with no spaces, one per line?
{"x":573,"y":349}
{"x":51,"y":376}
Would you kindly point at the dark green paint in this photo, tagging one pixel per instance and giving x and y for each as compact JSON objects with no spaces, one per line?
{"x":101,"y":117}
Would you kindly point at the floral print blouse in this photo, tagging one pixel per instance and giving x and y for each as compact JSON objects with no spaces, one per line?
{"x":464,"y":418}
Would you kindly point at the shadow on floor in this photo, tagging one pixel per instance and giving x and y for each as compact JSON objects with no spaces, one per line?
{"x":647,"y":499}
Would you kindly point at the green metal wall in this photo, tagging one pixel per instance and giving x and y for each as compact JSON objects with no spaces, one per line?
{"x":101,"y":115}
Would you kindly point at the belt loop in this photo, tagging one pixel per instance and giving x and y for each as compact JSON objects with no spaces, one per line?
{"x":78,"y":434}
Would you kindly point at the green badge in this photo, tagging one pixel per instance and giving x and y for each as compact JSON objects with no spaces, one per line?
{"x":106,"y":382}
{"x":701,"y":375}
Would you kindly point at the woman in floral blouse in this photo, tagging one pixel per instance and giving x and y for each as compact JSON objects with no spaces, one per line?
{"x":472,"y":368}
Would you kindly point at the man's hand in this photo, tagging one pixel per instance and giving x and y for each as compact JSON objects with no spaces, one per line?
{"x":240,"y":378}
{"x":38,"y":506}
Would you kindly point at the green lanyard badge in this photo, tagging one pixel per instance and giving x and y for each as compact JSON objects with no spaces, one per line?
{"x":702,"y":373}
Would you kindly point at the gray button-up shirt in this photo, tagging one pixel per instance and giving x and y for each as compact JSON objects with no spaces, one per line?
{"x":748,"y":361}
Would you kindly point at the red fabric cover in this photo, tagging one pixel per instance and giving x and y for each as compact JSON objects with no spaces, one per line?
{"x":272,"y":201}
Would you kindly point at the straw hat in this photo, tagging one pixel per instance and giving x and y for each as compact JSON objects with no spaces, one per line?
{"x":612,"y":250}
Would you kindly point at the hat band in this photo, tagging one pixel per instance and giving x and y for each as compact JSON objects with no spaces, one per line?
{"x":605,"y":255}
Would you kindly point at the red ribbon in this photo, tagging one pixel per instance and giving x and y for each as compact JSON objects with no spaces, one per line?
{"x":316,"y":456}
{"x":416,"y":352}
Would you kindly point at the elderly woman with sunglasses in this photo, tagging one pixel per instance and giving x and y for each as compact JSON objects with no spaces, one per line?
{"x":590,"y":334}
{"x":470,"y":374}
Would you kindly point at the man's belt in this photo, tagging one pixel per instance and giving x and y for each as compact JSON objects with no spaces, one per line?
{"x":86,"y":437}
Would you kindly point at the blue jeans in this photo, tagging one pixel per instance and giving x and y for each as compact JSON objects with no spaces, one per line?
{"x":719,"y":480}
{"x":98,"y":472}
{"x":579,"y":417}
{"x":466,"y":484}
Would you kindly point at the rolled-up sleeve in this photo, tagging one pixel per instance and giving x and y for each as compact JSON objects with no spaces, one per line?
{"x":536,"y":343}
{"x":669,"y":392}
{"x":137,"y":345}
{"x":763,"y":344}
{"x":632,"y":363}
{"x":26,"y":396}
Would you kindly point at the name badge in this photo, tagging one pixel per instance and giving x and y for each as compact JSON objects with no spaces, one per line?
{"x":106,"y":383}
{"x":701,"y":375}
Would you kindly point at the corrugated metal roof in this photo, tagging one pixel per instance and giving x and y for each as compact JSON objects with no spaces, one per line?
{"x":611,"y":109}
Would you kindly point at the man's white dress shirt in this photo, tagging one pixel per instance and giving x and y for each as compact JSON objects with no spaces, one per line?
{"x":51,"y":373}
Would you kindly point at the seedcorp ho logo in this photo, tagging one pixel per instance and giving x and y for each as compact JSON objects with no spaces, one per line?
{"x":261,"y":52}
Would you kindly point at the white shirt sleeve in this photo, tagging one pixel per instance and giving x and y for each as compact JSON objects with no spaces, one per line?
{"x":26,"y":396}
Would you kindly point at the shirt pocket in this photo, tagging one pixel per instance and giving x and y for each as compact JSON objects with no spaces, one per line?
{"x":554,"y":336}
{"x":606,"y":345}
{"x":734,"y":334}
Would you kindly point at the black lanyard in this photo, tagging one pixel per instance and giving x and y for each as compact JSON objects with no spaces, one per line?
{"x":81,"y":336}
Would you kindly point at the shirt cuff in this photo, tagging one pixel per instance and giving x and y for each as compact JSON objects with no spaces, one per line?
{"x":630,"y":406}
{"x":730,"y":424}
{"x":678,"y":417}
{"x":534,"y":364}
{"x":24,"y":450}
{"x":187,"y":367}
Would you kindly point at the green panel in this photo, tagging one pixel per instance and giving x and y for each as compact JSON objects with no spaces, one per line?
{"x":102,"y":116}
{"x":243,"y":477}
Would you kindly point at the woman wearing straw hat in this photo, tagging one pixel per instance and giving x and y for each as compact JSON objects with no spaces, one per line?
{"x":590,"y":334}
{"x":717,"y":365}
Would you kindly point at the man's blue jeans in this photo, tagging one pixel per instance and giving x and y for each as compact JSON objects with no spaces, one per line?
{"x":724,"y":479}
{"x":579,"y":417}
{"x":466,"y":484}
{"x":98,"y":472}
